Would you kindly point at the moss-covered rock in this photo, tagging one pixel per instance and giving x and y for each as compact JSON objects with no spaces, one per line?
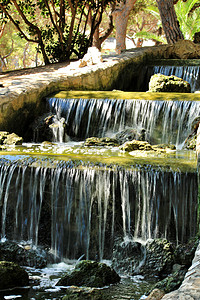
{"x":127,"y":256}
{"x":184,"y":253}
{"x":91,"y":274}
{"x":12,"y":275}
{"x":159,"y":258}
{"x":164,"y":147}
{"x":104,"y":141}
{"x":130,"y":134}
{"x":13,"y":139}
{"x":24,"y":255}
{"x":163,"y":83}
{"x":136,"y":145}
{"x":191,"y":143}
{"x":3,"y":136}
{"x":171,"y":282}
{"x":155,"y":258}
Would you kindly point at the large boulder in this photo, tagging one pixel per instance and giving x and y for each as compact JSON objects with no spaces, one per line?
{"x":136,"y":145}
{"x":164,"y":83}
{"x":7,"y":138}
{"x":159,"y":258}
{"x":90,"y":274}
{"x":171,"y":282}
{"x":130,"y":134}
{"x":155,"y":258}
{"x":25,"y":255}
{"x":127,"y":256}
{"x":12,"y":275}
{"x":184,"y":49}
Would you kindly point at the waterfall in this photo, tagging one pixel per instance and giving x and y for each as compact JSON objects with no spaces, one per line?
{"x":164,"y":121}
{"x":80,"y":210}
{"x":187,"y":73}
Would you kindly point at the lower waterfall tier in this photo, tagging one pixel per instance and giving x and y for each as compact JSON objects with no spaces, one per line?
{"x":80,"y":208}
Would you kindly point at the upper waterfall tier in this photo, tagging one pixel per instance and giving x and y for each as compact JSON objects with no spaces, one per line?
{"x":163,"y":121}
{"x":188,"y":70}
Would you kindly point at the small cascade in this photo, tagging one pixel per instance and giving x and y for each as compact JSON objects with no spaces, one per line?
{"x":190,"y":74}
{"x":79,"y":210}
{"x":163,"y":121}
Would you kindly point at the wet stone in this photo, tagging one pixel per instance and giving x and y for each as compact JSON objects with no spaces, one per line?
{"x":12,"y":275}
{"x":90,"y":274}
{"x":105,"y":141}
{"x":163,"y":83}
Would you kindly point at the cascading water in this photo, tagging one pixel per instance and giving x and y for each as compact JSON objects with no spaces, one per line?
{"x":163,"y":121}
{"x":87,"y":207}
{"x":78,"y":204}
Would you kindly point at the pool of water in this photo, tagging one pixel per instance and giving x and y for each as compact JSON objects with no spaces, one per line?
{"x":43,"y":285}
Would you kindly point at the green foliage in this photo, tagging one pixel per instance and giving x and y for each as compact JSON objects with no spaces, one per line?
{"x":150,"y":36}
{"x":58,"y":27}
{"x":16,"y":53}
{"x":145,"y":22}
{"x":188,"y":14}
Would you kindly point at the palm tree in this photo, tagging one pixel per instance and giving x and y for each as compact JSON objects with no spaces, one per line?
{"x":188,"y":15}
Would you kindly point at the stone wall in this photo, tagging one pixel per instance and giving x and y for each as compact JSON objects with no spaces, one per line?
{"x":22,"y":94}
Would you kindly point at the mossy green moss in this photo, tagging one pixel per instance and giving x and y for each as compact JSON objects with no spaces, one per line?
{"x":184,"y":161}
{"x":126,"y":95}
{"x":12,"y":275}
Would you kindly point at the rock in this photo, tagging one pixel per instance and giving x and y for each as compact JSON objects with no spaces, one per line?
{"x":83,"y":293}
{"x":130,"y":134}
{"x":184,"y":49}
{"x":159,"y":258}
{"x":191,"y":142}
{"x":127,"y":256}
{"x":92,"y":57}
{"x":166,"y":147}
{"x":171,"y":282}
{"x":90,"y":274}
{"x":10,"y":139}
{"x":12,"y":275}
{"x":136,"y":145}
{"x":24,"y":255}
{"x":41,"y":128}
{"x":163,"y":83}
{"x":184,"y":253}
{"x":13,"y":139}
{"x":3,"y":136}
{"x":105,"y":141}
{"x":153,"y":259}
{"x":156,"y":294}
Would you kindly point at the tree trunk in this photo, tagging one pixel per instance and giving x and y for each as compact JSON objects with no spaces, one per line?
{"x":169,"y":21}
{"x":121,"y":15}
{"x":96,"y":39}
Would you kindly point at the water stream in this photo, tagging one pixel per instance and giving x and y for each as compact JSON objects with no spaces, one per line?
{"x":77,"y":200}
{"x":163,"y":121}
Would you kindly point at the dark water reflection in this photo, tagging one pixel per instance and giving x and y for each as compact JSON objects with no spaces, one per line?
{"x":43,"y":281}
